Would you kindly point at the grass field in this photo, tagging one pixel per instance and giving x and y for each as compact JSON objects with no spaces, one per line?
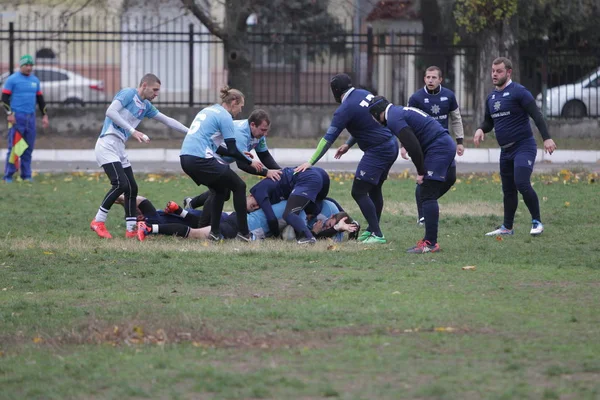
{"x":84,"y":318}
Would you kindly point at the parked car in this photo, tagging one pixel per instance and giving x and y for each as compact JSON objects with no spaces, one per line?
{"x":575,"y":100}
{"x":66,"y":87}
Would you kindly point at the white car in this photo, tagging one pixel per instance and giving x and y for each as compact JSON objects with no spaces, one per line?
{"x":575,"y":100}
{"x":66,"y":87}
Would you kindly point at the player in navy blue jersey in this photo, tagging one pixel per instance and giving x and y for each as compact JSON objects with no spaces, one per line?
{"x":380,"y":149}
{"x":507,"y":111}
{"x":441,"y":104}
{"x":432,"y":151}
{"x":304,"y":191}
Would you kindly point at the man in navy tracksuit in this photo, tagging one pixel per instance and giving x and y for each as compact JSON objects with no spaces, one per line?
{"x":20,"y":94}
{"x":507,"y":111}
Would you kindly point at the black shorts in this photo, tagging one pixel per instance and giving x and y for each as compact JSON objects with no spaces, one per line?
{"x":229,"y":226}
{"x":203,"y":171}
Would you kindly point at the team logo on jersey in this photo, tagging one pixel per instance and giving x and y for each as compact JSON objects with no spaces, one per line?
{"x":497,"y":105}
{"x":506,"y":94}
{"x":429,"y":173}
{"x":33,"y":84}
{"x":139,"y":103}
{"x":362,"y":173}
{"x":435,"y":109}
{"x":529,"y":162}
{"x":140,"y":112}
{"x":493,"y":96}
{"x":426,"y":101}
{"x":444,"y":99}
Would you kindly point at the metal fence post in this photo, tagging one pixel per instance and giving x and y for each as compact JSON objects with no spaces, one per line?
{"x":370,"y":57}
{"x":191,"y":66}
{"x":545,"y":77}
{"x":11,"y":47}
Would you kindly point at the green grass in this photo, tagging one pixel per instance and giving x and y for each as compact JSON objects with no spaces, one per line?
{"x":86,"y":318}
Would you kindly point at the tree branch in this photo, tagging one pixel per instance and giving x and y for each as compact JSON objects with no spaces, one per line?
{"x":204,"y":18}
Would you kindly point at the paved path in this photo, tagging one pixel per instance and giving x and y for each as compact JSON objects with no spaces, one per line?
{"x":174,"y":167}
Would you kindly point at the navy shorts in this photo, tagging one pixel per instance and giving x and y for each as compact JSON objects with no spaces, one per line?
{"x":439,"y":157}
{"x":377,"y":161}
{"x":309,"y":184}
{"x":520,"y":154}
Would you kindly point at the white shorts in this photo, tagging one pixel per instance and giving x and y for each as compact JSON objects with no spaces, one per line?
{"x":110,"y":149}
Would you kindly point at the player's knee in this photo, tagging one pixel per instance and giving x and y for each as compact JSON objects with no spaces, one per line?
{"x":360,"y":189}
{"x":524,"y":187}
{"x":430,"y":190}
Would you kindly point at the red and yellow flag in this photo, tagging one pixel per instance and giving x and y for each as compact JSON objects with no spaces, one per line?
{"x":19,"y":145}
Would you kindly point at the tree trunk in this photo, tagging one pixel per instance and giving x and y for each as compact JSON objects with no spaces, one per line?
{"x":488,"y":51}
{"x":433,"y":36}
{"x":239,"y":68}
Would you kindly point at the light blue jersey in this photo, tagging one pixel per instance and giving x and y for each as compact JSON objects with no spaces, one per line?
{"x":134,"y":110}
{"x":327,"y":210}
{"x":210,"y":127}
{"x":257,"y":220}
{"x":244,"y":140}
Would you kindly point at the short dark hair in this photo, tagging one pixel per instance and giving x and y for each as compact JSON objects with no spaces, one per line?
{"x":341,"y":215}
{"x":150,"y":79}
{"x":258,"y":116}
{"x":503,"y":60}
{"x":434,"y":68}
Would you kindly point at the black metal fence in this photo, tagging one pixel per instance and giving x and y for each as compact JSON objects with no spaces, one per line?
{"x":86,"y":60}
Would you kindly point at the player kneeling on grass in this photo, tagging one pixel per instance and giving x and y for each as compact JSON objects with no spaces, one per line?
{"x":123,"y":115}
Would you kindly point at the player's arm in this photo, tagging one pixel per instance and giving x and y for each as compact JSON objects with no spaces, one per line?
{"x":413,"y":147}
{"x":350,"y":142}
{"x":6,"y":101}
{"x":488,"y":123}
{"x":171,"y":122}
{"x":457,"y":125}
{"x":535,"y":114}
{"x":112,"y":112}
{"x":324,"y":144}
{"x":228,"y":132}
{"x":39,"y":96}
{"x":267,"y":159}
{"x":250,"y":169}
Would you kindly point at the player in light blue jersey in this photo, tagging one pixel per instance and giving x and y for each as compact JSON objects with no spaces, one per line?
{"x":507,"y":111}
{"x":250,"y":134}
{"x":124,"y":114}
{"x":200,"y":159}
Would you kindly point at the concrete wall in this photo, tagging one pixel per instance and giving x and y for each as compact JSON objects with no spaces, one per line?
{"x":296,"y":122}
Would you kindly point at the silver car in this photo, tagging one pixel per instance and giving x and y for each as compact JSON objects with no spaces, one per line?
{"x":66,"y":87}
{"x":575,"y":100}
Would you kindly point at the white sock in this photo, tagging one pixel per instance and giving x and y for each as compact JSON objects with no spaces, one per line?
{"x":131,"y":223}
{"x":183,"y":214}
{"x":101,"y":215}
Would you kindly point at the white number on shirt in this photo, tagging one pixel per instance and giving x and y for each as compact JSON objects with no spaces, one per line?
{"x":423,"y":113}
{"x":195,"y":127}
{"x":365,"y":103}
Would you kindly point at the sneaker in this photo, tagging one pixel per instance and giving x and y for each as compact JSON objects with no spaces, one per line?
{"x":8,"y":180}
{"x":354,"y":235}
{"x":171,"y":208}
{"x":374,"y":239}
{"x":536,"y":228}
{"x":215,"y":237}
{"x":245,"y":238}
{"x":424,"y":246}
{"x":30,"y":180}
{"x":131,"y":234}
{"x":306,"y":240}
{"x":421,"y":221}
{"x":187,"y":202}
{"x":143,"y":230}
{"x":501,"y":230}
{"x":100,"y":229}
{"x":363,"y":236}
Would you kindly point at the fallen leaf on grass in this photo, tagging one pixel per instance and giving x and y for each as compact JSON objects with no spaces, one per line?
{"x":38,"y":339}
{"x":469,"y":268}
{"x":332,"y":247}
{"x":567,"y":204}
{"x":499,"y":238}
{"x":396,"y":292}
{"x":48,"y":253}
{"x":445,"y":329}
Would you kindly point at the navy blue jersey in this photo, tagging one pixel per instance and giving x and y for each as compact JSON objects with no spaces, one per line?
{"x":437,"y":105}
{"x":425,"y":127}
{"x":273,"y":191}
{"x":354,"y":116}
{"x":507,"y":109}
